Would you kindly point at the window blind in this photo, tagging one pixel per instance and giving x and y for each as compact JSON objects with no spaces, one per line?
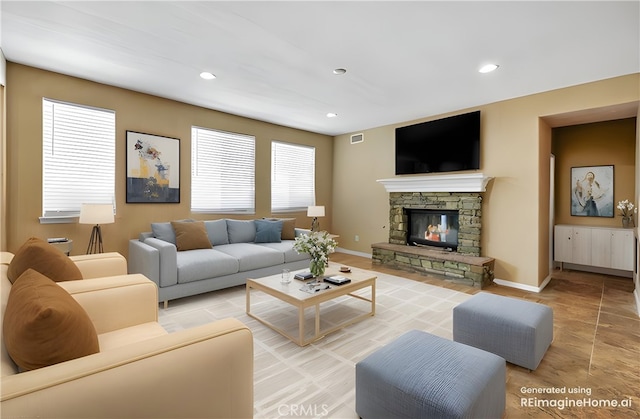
{"x":293,"y":174}
{"x":222,"y":171}
{"x":79,"y":157}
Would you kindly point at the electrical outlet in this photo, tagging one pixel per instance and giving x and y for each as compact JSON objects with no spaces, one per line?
{"x":356,"y":238}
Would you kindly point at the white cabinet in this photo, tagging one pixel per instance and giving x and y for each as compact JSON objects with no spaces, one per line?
{"x":603,"y":247}
{"x":582,"y":246}
{"x":622,"y":249}
{"x":562,"y":243}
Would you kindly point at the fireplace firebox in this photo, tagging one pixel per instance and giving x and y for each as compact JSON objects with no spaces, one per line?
{"x":433,"y":227}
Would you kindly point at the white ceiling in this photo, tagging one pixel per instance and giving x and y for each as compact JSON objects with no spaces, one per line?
{"x":274,"y":60}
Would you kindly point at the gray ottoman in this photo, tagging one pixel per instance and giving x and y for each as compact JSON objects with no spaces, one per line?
{"x":420,"y":375}
{"x":517,"y":330}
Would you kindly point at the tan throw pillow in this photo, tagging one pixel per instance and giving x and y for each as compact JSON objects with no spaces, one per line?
{"x":288,"y":227}
{"x":191,"y":235}
{"x":43,"y":325}
{"x":39,"y":255}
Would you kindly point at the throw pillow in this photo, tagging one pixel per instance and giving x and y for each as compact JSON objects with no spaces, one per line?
{"x":288,"y":227}
{"x":268,"y":231}
{"x":43,"y":325}
{"x":164,"y":231}
{"x":191,"y":235}
{"x":217,"y":231}
{"x":241,"y":231}
{"x":39,"y":255}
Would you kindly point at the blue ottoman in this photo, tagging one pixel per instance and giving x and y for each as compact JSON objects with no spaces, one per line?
{"x":420,"y":375}
{"x":517,"y":330}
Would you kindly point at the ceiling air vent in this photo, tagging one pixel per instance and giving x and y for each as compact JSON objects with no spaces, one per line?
{"x":357,"y":138}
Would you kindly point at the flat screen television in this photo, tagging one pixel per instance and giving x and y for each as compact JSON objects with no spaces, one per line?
{"x":444,"y":145}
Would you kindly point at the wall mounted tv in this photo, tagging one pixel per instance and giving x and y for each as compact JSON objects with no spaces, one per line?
{"x":444,"y":145}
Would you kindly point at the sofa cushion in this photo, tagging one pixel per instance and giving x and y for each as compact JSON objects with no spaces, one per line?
{"x":268,"y":231}
{"x":252,"y":256}
{"x":163,"y":231}
{"x":129,"y":335}
{"x":241,"y":231}
{"x":217,"y":231}
{"x":39,"y":255}
{"x":286,"y":248}
{"x":43,"y":325}
{"x":288,"y":227}
{"x":191,"y":235}
{"x":195,"y":265}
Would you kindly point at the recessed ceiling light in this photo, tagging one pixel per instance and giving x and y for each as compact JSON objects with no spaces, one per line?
{"x":207,"y":76}
{"x":488,"y":68}
{"x":332,"y":115}
{"x":339,"y":71}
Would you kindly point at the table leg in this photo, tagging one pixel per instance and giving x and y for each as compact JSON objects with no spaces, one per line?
{"x":248,"y":297}
{"x":317,"y":321}
{"x":301,"y":326}
{"x":373,"y":298}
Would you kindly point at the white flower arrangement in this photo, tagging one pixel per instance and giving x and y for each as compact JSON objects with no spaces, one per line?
{"x":627,"y":209}
{"x":317,"y":244}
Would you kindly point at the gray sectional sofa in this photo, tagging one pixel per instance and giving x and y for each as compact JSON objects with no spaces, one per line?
{"x":192,"y":257}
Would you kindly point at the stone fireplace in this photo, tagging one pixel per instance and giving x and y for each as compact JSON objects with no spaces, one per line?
{"x":461,"y":194}
{"x":468,"y":205}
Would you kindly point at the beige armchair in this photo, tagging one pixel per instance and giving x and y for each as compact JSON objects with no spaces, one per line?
{"x":141,"y":371}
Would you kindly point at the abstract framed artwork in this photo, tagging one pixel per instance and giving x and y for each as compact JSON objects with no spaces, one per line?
{"x":592,"y":191}
{"x":153,"y":168}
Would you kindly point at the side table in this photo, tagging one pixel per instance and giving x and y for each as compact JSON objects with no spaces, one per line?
{"x":65,"y":247}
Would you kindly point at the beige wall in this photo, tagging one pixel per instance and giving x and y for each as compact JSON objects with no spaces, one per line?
{"x":516,"y":143}
{"x":596,"y":144}
{"x":515,"y":151}
{"x":26,"y":86}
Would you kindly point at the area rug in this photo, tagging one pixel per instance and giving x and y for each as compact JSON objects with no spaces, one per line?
{"x":318,"y":380}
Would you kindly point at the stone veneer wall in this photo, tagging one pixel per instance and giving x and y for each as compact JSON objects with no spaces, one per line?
{"x":465,"y":265}
{"x":469,"y":205}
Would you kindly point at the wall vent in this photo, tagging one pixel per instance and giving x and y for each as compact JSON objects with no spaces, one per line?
{"x":357,"y":138}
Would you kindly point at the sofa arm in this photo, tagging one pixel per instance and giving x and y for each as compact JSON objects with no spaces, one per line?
{"x":203,"y":372}
{"x":144,"y":259}
{"x":167,"y":255}
{"x":101,"y":264}
{"x":116,"y":302}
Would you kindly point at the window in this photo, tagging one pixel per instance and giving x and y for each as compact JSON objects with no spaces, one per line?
{"x":222,"y":171}
{"x":293,"y":174}
{"x":79,"y":158}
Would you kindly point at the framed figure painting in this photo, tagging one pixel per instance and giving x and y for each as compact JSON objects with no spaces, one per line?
{"x":592,"y":191}
{"x":153,"y":168}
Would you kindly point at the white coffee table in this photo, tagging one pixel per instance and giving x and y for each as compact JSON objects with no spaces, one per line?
{"x":292,"y":294}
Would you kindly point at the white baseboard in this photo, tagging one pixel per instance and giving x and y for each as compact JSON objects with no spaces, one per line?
{"x":524,"y":287}
{"x":353,"y":252}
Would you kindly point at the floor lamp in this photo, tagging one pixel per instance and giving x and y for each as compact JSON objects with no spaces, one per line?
{"x":96,"y":214}
{"x":315,"y":212}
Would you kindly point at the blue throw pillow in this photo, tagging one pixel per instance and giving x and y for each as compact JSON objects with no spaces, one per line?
{"x":217,"y":231}
{"x":241,"y":231}
{"x":164,"y":231}
{"x":268,"y":231}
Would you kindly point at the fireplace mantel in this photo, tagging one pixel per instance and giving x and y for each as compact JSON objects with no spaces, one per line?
{"x":468,"y":182}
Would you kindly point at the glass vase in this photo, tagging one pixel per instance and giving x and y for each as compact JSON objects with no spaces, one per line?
{"x":626,"y":222}
{"x":317,"y":267}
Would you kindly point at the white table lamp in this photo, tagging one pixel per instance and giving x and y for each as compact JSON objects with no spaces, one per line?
{"x":315,"y":212}
{"x":96,"y":214}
